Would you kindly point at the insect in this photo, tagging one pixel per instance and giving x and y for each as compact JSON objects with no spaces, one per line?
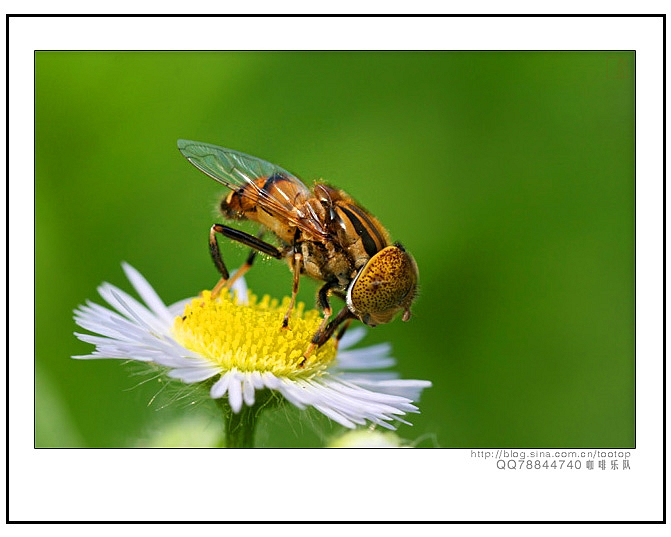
{"x":323,"y":233}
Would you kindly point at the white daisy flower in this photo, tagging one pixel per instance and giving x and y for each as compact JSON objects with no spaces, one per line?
{"x":238,"y":343}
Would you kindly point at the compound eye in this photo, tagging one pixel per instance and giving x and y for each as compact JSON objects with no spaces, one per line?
{"x":386,"y":285}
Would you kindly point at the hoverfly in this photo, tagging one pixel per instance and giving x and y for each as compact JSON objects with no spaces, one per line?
{"x":323,"y":233}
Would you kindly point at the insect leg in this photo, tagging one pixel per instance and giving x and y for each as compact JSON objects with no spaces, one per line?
{"x":298,"y":262}
{"x":343,"y":315}
{"x":342,"y":331}
{"x":297,"y":265}
{"x":253,"y":242}
{"x":245,"y":266}
{"x":325,"y":331}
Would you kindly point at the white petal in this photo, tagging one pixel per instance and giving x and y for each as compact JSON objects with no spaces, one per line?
{"x":256,"y":380}
{"x":130,"y":308}
{"x":335,"y":416}
{"x":409,"y":389}
{"x":194,"y":374}
{"x":147,"y":293}
{"x":296,"y":392}
{"x":270,"y":381}
{"x":248,"y":390}
{"x":220,"y":387}
{"x":235,"y":392}
{"x":373,"y":357}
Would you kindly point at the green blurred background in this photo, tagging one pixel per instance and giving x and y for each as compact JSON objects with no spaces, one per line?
{"x":508,"y":175}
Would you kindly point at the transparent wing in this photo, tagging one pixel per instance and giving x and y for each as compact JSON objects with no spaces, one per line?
{"x":237,"y":170}
{"x":229,"y":167}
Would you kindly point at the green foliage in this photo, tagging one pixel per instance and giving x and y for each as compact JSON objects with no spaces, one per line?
{"x":509,"y":176}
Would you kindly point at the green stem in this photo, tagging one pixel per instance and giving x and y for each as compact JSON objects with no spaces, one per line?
{"x":239,"y":428}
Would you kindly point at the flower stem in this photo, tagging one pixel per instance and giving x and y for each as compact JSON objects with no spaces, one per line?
{"x":239,"y":428}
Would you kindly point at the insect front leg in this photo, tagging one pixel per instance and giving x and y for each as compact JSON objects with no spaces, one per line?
{"x":323,"y":300}
{"x":255,"y":243}
{"x":342,"y":331}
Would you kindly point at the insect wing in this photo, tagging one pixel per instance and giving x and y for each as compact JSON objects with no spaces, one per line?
{"x":237,"y":170}
{"x":226,"y":166}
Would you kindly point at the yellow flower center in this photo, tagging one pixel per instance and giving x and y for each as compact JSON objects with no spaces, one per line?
{"x":250,"y":337}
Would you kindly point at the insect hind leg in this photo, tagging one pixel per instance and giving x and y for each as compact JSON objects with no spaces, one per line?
{"x":255,"y":243}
